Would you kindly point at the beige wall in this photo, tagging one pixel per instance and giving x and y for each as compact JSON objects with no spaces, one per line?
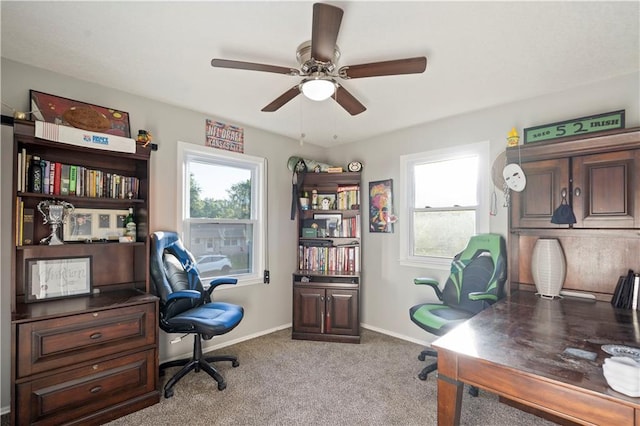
{"x":388,"y":291}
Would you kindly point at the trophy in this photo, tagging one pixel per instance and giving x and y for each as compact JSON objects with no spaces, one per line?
{"x":54,"y":213}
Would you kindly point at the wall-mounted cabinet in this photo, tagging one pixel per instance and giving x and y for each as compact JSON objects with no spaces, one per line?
{"x":93,"y":357}
{"x":600,"y":175}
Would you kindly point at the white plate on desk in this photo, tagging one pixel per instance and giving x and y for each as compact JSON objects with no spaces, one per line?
{"x":620,"y":350}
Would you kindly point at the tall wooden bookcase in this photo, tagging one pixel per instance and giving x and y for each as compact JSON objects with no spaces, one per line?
{"x":91,"y":358}
{"x":327,"y":283}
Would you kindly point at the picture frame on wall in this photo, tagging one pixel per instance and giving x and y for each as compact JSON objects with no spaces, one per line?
{"x":57,"y":278}
{"x":381,"y":217}
{"x":78,"y":114}
{"x":94,"y":224}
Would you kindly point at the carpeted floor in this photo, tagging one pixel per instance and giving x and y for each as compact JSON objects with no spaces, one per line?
{"x":281,"y":381}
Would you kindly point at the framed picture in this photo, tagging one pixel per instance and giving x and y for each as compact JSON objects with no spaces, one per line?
{"x":326,"y":201}
{"x":381,"y":216}
{"x":57,"y":278}
{"x":93,"y":224}
{"x":67,"y":112}
{"x":333,"y":223}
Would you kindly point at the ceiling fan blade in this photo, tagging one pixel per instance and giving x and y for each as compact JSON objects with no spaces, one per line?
{"x":324,"y":33}
{"x":376,"y":69}
{"x":282,"y":99}
{"x":348,"y":101}
{"x":251,"y":66}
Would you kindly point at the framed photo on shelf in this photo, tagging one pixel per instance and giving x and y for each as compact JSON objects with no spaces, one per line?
{"x":333,"y":222}
{"x":94,"y":224}
{"x":81,"y":115}
{"x":326,"y":201}
{"x":57,"y":278}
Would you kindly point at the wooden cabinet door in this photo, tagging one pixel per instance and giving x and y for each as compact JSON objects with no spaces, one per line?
{"x":605,"y":191}
{"x":342,"y":312}
{"x":308,"y":310}
{"x":533,"y":207}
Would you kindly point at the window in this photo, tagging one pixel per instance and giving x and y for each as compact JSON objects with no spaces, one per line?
{"x":222,"y":211}
{"x":445,"y":202}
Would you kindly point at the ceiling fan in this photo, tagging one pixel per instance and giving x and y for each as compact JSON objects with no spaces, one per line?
{"x":318,"y":62}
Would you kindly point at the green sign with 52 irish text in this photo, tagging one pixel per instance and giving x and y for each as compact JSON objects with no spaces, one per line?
{"x":575,"y":127}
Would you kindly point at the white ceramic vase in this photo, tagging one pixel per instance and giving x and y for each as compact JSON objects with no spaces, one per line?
{"x":548,"y":267}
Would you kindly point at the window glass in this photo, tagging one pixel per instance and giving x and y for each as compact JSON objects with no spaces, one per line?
{"x":222,"y":212}
{"x":445,"y":202}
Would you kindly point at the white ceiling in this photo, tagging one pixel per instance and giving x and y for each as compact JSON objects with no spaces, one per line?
{"x":479,"y":54}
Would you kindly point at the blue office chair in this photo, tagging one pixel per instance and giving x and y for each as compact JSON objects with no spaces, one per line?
{"x":186,"y":307}
{"x":477,"y":278}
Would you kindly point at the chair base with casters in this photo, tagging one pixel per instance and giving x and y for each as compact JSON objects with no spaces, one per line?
{"x":196,"y":363}
{"x":473,"y":391}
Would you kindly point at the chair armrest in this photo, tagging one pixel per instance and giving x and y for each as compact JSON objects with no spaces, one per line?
{"x":430,"y":282}
{"x":478,"y":295}
{"x":220,"y":281}
{"x":184,"y":294}
{"x":176,"y":296}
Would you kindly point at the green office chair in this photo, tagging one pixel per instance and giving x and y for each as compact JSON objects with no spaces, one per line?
{"x":477,"y":280}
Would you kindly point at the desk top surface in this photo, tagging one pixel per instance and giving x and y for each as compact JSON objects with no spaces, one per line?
{"x":530,"y":334}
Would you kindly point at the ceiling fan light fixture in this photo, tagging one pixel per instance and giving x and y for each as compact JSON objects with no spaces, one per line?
{"x":318,"y":88}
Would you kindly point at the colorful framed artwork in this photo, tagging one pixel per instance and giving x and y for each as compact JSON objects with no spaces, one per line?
{"x":94,"y":224}
{"x":81,"y":115}
{"x":381,"y":216}
{"x":57,"y":278}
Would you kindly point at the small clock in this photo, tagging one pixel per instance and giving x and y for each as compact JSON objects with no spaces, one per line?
{"x":355,"y":166}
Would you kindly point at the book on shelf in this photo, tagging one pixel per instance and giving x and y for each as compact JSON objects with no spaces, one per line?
{"x":73,"y":179}
{"x":28,"y":217}
{"x":56,"y":179}
{"x":64,"y":180}
{"x":46,"y":178}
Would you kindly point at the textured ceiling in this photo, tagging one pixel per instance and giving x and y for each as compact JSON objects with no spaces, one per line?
{"x":479,"y":54}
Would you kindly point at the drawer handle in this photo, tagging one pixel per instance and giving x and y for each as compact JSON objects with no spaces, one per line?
{"x":95,"y":336}
{"x":96,"y":389}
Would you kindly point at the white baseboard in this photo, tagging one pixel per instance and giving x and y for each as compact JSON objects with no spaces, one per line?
{"x":210,"y":348}
{"x":396,"y":335}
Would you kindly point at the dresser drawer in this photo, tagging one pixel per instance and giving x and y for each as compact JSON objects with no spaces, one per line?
{"x":85,"y":390}
{"x":67,"y":341}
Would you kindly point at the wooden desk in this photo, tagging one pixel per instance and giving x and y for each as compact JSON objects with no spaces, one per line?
{"x":515,"y":349}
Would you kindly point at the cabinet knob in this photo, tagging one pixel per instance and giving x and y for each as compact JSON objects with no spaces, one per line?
{"x":96,"y":389}
{"x":577,"y":192}
{"x":95,"y":336}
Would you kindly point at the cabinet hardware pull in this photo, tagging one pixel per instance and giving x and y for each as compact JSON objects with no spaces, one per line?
{"x":95,"y":314}
{"x":577,"y":192}
{"x":95,"y":336}
{"x":96,"y":389}
{"x":95,"y":366}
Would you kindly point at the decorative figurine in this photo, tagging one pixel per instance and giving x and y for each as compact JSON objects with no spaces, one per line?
{"x":513,"y":138}
{"x":144,"y":137}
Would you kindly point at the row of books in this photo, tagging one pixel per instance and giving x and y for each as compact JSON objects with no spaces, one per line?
{"x":347,"y":197}
{"x":350,"y":227}
{"x":627,"y":292}
{"x":329,"y":259}
{"x":24,"y":224}
{"x":55,"y":178}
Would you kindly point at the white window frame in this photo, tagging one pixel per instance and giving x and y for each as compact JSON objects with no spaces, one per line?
{"x":258,"y":166}
{"x":407,"y":162}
